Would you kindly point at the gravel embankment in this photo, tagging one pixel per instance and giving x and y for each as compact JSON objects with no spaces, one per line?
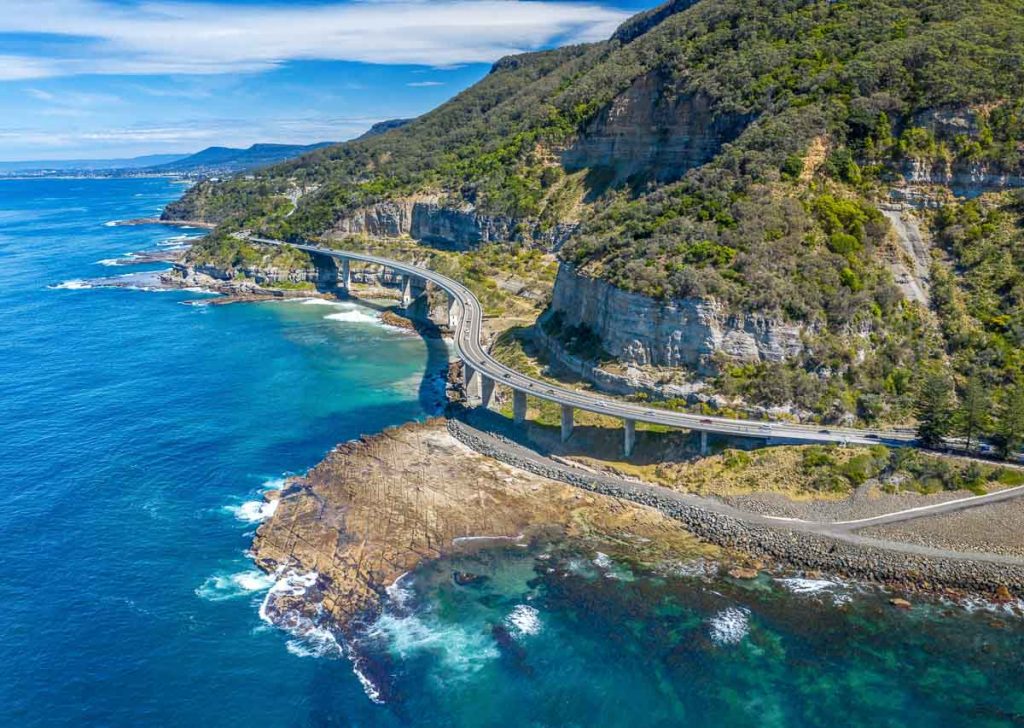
{"x":995,"y":528}
{"x":797,"y":545}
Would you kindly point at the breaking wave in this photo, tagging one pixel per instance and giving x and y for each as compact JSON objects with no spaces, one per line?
{"x":220,"y":587}
{"x":729,"y":626}
{"x":255,"y":511}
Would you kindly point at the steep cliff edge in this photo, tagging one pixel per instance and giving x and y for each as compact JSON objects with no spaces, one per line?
{"x":652,"y":132}
{"x":693,"y":333}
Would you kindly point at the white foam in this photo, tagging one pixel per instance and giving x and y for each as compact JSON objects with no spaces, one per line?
{"x":807,"y":586}
{"x":290,"y":583}
{"x":460,"y":651}
{"x":729,"y":626}
{"x":315,"y":642}
{"x":354,"y":317}
{"x":525,"y":620}
{"x":275,"y":483}
{"x":603,"y":561}
{"x":220,"y":587}
{"x":818,"y":587}
{"x":321,"y":302}
{"x":76,"y":284}
{"x":112,"y":223}
{"x":111,"y":262}
{"x":399,"y":595}
{"x":253,"y":511}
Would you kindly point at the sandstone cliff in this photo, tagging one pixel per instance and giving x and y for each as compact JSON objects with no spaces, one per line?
{"x":689,"y":332}
{"x":427,"y":219}
{"x":651,"y":130}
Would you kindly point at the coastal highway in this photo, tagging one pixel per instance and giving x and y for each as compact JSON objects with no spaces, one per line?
{"x":474,"y":356}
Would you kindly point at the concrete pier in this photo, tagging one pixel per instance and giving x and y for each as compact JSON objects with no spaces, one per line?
{"x":346,"y":275}
{"x":486,"y":391}
{"x":630,"y":437}
{"x":470,"y":382}
{"x":451,"y":311}
{"x":406,"y":291}
{"x":703,"y":442}
{"x":567,"y":421}
{"x":518,"y":406}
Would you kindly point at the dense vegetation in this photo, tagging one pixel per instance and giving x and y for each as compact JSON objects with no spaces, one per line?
{"x":837,"y":100}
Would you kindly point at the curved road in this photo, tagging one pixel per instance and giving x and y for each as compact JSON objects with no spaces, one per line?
{"x":471,"y":351}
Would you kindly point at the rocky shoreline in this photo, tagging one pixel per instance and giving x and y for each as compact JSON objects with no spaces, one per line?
{"x":378,"y":507}
{"x":906,"y":568}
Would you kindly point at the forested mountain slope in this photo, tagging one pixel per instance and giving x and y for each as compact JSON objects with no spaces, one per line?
{"x":735,"y":156}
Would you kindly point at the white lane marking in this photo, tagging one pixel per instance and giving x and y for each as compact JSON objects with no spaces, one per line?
{"x":933,"y":506}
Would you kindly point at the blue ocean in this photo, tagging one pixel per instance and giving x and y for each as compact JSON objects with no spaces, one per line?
{"x":139,"y":431}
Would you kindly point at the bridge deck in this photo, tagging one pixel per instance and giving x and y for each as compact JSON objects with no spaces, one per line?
{"x":471,"y":351}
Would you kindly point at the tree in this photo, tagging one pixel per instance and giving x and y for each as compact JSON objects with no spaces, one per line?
{"x":934,"y":408}
{"x":1010,"y":425}
{"x":973,"y":416}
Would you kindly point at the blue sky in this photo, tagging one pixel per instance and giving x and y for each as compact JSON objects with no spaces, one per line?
{"x":120,"y":78}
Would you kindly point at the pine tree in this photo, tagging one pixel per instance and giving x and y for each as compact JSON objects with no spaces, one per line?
{"x":1010,"y":426}
{"x":934,"y":409}
{"x":973,"y":417}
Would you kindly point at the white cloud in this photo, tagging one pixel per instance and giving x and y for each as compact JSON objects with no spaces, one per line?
{"x":196,"y":38}
{"x":425,"y":84}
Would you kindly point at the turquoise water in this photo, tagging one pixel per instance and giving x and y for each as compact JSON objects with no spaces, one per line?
{"x":138,"y":433}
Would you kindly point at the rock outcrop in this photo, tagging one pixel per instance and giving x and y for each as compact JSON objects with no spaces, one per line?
{"x":428,"y":219}
{"x":375,"y":508}
{"x":687,"y":332}
{"x":652,"y":130}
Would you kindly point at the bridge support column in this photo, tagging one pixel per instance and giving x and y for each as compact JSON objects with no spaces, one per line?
{"x":486,"y":391}
{"x":451,"y":311}
{"x":470,"y":382}
{"x":630,"y":437}
{"x":703,"y":442}
{"x":518,"y":406}
{"x":406,"y":291}
{"x":567,"y":422}
{"x":346,"y":275}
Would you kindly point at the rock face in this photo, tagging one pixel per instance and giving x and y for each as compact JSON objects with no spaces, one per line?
{"x":651,"y":130}
{"x":458,"y":228}
{"x":686,"y":332}
{"x":963,"y":178}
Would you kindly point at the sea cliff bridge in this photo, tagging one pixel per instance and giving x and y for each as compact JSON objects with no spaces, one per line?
{"x":482,"y":372}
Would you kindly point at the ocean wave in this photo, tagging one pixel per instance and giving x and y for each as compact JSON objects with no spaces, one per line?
{"x":321,"y":302}
{"x":276,"y":483}
{"x":461,"y":652}
{"x":113,"y":262}
{"x":220,"y":587}
{"x":112,"y":223}
{"x":315,"y":642}
{"x":254,"y":511}
{"x":603,"y":561}
{"x":817,"y":587}
{"x":729,"y":626}
{"x":354,"y":317}
{"x":76,"y":284}
{"x":524,"y":620}
{"x":309,"y":639}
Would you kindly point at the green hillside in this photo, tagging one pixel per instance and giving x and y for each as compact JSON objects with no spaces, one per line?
{"x":815,"y":110}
